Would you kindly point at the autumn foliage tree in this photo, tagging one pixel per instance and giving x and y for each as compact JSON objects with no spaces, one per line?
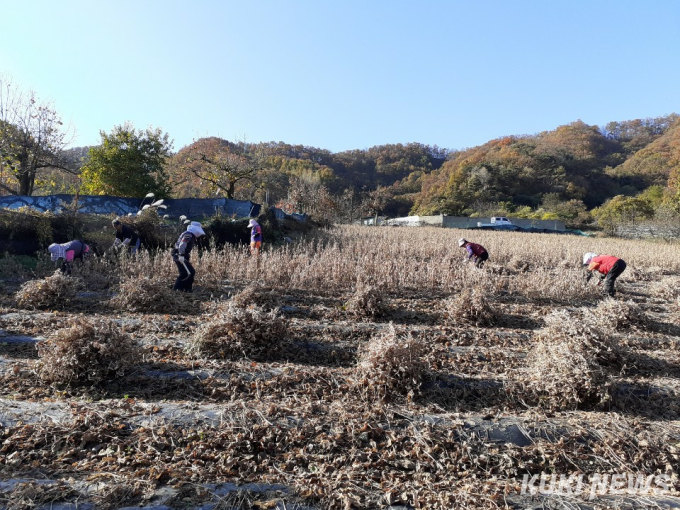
{"x":218,"y":166}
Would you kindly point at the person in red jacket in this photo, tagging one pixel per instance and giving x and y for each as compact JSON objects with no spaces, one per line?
{"x":609,"y":267}
{"x":476,"y":252}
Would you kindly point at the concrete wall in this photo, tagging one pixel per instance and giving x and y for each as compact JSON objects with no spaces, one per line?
{"x":91,"y":204}
{"x":464,"y":222}
{"x":461,"y":222}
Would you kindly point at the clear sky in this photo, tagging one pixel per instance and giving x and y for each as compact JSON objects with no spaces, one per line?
{"x":344,"y":74}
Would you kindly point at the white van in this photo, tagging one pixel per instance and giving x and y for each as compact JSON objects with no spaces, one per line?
{"x":500,"y":220}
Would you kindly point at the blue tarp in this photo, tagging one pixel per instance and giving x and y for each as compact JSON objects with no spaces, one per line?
{"x":120,"y":206}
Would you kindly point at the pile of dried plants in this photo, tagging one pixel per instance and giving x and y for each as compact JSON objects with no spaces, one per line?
{"x":87,"y":352}
{"x":392,"y":363}
{"x":614,"y":315}
{"x":53,"y":291}
{"x":239,"y":332}
{"x":367,"y":302}
{"x":148,"y":294}
{"x":567,"y":368}
{"x":470,"y":307}
{"x":255,"y":294}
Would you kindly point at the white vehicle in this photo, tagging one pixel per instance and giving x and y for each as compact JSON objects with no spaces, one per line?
{"x":500,"y":220}
{"x":496,"y":221}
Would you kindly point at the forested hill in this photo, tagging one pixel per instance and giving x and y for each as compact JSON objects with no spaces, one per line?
{"x":566,"y":171}
{"x":575,"y":161}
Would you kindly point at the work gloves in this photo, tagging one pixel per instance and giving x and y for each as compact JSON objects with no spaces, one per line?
{"x":180,"y":258}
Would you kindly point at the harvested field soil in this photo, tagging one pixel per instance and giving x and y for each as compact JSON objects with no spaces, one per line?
{"x":291,"y":386}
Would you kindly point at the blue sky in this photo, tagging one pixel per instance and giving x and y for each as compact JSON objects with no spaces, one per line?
{"x":345,"y":74}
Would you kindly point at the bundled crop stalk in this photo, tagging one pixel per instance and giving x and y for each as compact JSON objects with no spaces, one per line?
{"x":613,"y":315}
{"x":367,"y":302}
{"x":239,"y":332}
{"x":88,"y":352}
{"x":254,"y":294}
{"x":50,"y":292}
{"x":392,"y":363}
{"x":567,"y":367}
{"x":139,"y":293}
{"x":470,"y":307}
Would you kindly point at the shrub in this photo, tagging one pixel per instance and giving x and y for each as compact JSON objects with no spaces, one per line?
{"x":567,"y":367}
{"x":469,"y":307}
{"x":88,"y":352}
{"x":239,"y":332}
{"x":367,"y":302}
{"x":54,"y":291}
{"x":391,"y":363}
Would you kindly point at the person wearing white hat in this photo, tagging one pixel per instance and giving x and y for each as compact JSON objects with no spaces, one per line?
{"x":609,"y":267}
{"x":476,"y":252}
{"x":255,"y":237}
{"x":181,"y":253}
{"x":71,"y":251}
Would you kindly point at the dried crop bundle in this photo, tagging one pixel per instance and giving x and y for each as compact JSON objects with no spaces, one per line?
{"x":613,"y":315}
{"x":145,"y":294}
{"x":254,"y":294}
{"x":88,"y":352}
{"x":566,"y":369}
{"x":50,"y":292}
{"x":240,"y":332}
{"x":367,"y":302}
{"x":667,"y":288}
{"x":391,"y":362}
{"x":470,"y":307}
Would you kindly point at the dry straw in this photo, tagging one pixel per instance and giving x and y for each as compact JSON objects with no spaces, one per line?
{"x":53,"y":291}
{"x":391,"y":364}
{"x":240,"y":332}
{"x":88,"y":352}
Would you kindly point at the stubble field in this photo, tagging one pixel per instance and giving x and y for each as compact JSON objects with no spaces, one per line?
{"x":356,"y":368}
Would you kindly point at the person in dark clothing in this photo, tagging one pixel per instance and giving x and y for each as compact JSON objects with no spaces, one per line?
{"x":70,"y":252}
{"x":609,"y":267}
{"x":181,"y":254}
{"x":476,"y":252}
{"x":126,"y":236}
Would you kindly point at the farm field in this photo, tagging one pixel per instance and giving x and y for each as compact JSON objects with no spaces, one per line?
{"x":360,"y":367}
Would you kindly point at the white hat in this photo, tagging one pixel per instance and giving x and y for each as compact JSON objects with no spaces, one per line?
{"x":57,"y":251}
{"x":588,"y":257}
{"x":252,"y":223}
{"x":196,"y":229}
{"x":461,"y":242}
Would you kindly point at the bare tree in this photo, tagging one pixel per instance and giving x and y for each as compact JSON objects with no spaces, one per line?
{"x":32,"y":136}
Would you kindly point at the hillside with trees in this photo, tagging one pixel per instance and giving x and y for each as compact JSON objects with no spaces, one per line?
{"x":575,"y":172}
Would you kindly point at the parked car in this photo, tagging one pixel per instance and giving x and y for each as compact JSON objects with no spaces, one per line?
{"x":500,"y":220}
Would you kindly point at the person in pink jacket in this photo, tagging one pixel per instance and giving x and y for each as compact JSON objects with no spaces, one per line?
{"x":609,"y":267}
{"x":71,"y":251}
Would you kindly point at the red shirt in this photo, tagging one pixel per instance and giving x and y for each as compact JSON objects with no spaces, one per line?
{"x":603,"y":263}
